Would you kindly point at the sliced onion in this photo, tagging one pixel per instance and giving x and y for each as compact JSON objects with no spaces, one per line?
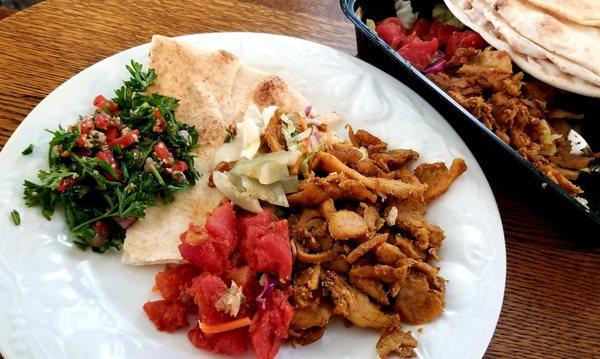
{"x":224,"y":182}
{"x":268,"y":283}
{"x":436,"y":68}
{"x":125,"y":222}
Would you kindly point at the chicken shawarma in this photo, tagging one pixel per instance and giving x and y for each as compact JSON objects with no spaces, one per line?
{"x":362,"y":248}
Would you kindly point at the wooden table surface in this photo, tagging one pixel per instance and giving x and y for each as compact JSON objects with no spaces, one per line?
{"x":552,"y":302}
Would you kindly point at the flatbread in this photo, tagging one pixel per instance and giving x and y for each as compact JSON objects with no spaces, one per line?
{"x":214,"y":88}
{"x":540,"y":68}
{"x":583,"y":12}
{"x":575,"y":42}
{"x":529,"y":48}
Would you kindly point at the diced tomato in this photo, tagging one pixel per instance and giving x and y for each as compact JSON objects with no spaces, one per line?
{"x":419,"y":59}
{"x":230,"y":342}
{"x":104,"y":104}
{"x":464,"y":39}
{"x":206,"y":289}
{"x":260,"y":219}
{"x":429,"y":47}
{"x":441,"y":31}
{"x":268,"y":249}
{"x":87,"y":126}
{"x":399,"y":40}
{"x":65,"y":183}
{"x":270,"y":325}
{"x":199,"y":249}
{"x":107,"y":157}
{"x":419,"y":52}
{"x":162,"y":152}
{"x":160,"y":124}
{"x":111,"y":134}
{"x":126,"y":140}
{"x":180,"y":166}
{"x":420,"y":28}
{"x":173,"y":281}
{"x":101,"y":120}
{"x":389,"y":31}
{"x":221,"y":226}
{"x":210,"y":247}
{"x":391,"y":20}
{"x":166,"y":316}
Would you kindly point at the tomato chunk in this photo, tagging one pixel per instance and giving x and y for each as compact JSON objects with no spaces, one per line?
{"x":441,"y":32}
{"x":210,"y":247}
{"x":104,"y":104}
{"x":162,"y":152}
{"x":230,"y":342}
{"x":65,"y":183}
{"x":421,"y":28}
{"x":126,"y":140}
{"x":101,"y":120}
{"x":107,"y":157}
{"x":388,"y":31}
{"x":199,"y":249}
{"x":270,"y":325}
{"x":166,"y":316}
{"x":267,"y":249}
{"x":464,"y":39}
{"x":180,"y":166}
{"x":172,"y":282}
{"x":206,"y":289}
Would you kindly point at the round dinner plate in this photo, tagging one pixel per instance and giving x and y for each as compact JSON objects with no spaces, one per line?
{"x":59,"y":302}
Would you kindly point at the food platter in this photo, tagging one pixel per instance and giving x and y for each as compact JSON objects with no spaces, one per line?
{"x":60,"y":302}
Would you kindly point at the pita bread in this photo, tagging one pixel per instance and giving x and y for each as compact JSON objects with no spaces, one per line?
{"x":214,"y":88}
{"x":541,"y":68}
{"x":529,"y":48}
{"x":575,"y":42}
{"x":583,"y":12}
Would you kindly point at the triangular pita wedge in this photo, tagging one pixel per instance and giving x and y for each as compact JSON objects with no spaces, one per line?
{"x":214,"y":88}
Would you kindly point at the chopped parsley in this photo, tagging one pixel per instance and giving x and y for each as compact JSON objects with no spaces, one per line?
{"x":16,"y":217}
{"x":28,"y":150}
{"x":105,"y":170}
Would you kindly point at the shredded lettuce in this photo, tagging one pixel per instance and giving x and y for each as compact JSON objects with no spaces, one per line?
{"x":442,"y":14}
{"x":404,"y":12}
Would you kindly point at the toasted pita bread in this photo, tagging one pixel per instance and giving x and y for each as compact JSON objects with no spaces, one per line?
{"x":583,"y":12}
{"x":541,"y":68}
{"x":214,"y":88}
{"x":575,"y":42}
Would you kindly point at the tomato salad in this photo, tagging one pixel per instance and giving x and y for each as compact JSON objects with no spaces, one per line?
{"x":111,"y":165}
{"x":236,"y":283}
{"x":427,"y":45}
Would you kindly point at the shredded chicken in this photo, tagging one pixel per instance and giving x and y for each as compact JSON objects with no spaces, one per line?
{"x":518,"y":112}
{"x":355,"y":305}
{"x":396,"y":342}
{"x":362,"y":245}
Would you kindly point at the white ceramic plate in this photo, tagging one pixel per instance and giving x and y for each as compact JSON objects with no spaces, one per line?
{"x":59,"y":302}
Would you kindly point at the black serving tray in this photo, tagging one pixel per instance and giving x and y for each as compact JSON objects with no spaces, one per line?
{"x":496,"y":157}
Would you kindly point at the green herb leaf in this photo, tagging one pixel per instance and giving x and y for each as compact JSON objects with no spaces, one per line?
{"x":16,"y":217}
{"x":28,"y":150}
